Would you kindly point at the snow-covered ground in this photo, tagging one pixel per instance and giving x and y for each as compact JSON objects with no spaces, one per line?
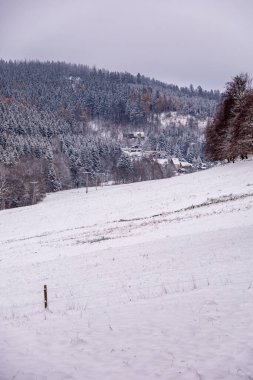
{"x":151,"y":280}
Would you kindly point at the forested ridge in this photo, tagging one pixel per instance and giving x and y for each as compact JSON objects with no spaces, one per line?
{"x":45,"y":137}
{"x":80,"y":92}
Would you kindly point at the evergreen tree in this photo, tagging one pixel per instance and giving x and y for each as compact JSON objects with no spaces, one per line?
{"x":53,"y":183}
{"x":233,"y":115}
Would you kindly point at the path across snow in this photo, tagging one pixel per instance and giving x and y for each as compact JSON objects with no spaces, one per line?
{"x":151,"y":280}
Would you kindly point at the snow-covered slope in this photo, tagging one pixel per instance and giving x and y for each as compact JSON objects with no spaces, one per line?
{"x":149,"y":281}
{"x":168,"y":118}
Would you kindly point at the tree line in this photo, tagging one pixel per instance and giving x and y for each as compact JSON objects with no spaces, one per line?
{"x":82,"y":93}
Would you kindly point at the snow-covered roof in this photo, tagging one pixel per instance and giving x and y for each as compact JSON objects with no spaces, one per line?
{"x":139,"y":134}
{"x":185,"y":164}
{"x":175,"y":161}
{"x":162,"y":161}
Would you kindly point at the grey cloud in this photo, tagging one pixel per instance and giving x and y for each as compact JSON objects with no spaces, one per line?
{"x":202,"y":42}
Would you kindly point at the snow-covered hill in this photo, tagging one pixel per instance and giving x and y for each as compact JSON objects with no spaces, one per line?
{"x":151,"y":280}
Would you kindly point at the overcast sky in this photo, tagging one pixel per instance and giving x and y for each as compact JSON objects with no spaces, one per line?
{"x":202,"y":42}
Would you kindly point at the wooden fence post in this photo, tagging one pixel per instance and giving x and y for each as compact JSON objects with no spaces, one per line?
{"x":45,"y":296}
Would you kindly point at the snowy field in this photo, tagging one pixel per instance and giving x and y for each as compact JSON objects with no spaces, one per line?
{"x":151,"y":280}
